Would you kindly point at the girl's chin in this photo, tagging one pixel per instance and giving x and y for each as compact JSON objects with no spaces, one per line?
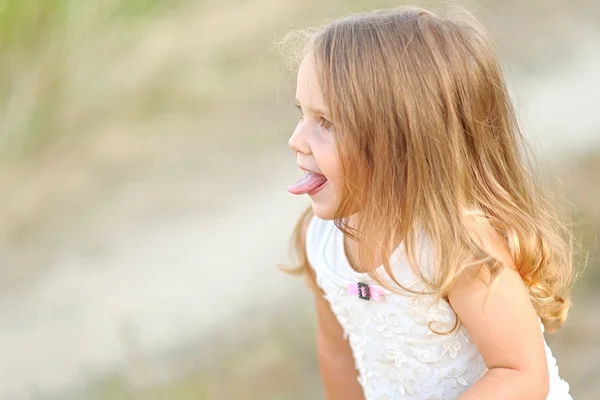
{"x":323,"y":212}
{"x":323,"y":204}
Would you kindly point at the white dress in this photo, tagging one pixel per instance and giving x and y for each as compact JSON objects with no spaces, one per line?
{"x":396,"y":353}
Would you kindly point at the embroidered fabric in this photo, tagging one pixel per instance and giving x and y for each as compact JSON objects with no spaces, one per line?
{"x":396,"y":352}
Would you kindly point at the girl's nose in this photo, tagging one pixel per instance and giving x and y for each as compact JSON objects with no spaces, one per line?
{"x":298,"y":142}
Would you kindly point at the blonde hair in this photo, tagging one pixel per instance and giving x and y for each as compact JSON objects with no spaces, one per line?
{"x":424,"y":121}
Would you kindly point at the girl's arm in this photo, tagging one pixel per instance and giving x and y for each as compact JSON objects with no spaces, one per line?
{"x":505,"y":328}
{"x":335,"y":356}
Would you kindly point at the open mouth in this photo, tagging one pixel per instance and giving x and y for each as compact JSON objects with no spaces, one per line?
{"x":310,"y":183}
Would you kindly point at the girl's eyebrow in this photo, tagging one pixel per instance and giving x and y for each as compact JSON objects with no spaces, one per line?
{"x":312,"y":109}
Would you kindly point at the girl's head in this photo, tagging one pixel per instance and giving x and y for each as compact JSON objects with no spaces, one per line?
{"x":407,"y":116}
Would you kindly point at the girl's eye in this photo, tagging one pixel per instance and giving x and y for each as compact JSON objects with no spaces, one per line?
{"x":324,"y":123}
{"x":300,"y":111}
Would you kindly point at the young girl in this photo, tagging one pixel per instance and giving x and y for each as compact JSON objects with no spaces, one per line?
{"x":435,"y":258}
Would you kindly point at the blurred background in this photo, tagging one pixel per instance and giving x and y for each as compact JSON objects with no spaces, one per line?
{"x":143,"y":173}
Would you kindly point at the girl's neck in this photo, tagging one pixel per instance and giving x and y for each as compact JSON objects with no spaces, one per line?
{"x":351,"y":250}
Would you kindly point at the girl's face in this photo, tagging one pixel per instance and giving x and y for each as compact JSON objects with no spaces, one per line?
{"x":313,"y":142}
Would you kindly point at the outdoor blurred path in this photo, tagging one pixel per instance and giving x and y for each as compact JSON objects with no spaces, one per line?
{"x":158,"y":286}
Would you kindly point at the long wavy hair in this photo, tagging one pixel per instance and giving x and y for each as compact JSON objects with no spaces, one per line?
{"x":424,"y":122}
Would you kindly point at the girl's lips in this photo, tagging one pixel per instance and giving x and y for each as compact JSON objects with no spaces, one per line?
{"x":310,"y":183}
{"x":318,"y":188}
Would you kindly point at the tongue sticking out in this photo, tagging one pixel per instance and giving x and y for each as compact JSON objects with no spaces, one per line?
{"x":307,"y":184}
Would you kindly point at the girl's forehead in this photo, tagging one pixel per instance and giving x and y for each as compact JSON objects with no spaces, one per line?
{"x":308,"y":89}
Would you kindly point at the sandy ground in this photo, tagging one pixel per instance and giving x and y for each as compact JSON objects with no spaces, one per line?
{"x":162,"y":281}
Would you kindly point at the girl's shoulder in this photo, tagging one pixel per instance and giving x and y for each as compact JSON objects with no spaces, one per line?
{"x":325,"y":252}
{"x":317,"y":233}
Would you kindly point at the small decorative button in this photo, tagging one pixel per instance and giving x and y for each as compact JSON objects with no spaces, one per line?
{"x":365,"y":292}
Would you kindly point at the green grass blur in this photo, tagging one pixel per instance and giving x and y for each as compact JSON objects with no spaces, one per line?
{"x":52,"y":53}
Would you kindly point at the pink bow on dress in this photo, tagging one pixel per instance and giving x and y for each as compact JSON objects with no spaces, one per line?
{"x":365,"y":291}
